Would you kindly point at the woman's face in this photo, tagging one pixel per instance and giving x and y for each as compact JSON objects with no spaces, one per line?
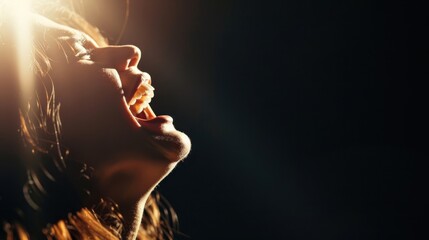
{"x":106,"y":120}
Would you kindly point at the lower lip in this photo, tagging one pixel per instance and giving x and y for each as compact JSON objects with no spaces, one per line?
{"x":158,"y":125}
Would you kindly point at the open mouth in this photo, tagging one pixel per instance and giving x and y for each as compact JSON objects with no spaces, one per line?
{"x":139,"y":102}
{"x":143,"y":113}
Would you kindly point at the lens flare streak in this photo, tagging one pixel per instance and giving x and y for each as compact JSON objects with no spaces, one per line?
{"x":25,"y":54}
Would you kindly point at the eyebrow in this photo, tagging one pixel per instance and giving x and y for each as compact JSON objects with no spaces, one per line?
{"x":78,"y":37}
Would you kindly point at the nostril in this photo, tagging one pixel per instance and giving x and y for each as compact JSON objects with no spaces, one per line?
{"x":135,"y":54}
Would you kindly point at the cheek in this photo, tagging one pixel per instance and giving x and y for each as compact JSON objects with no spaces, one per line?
{"x":92,"y":109}
{"x":111,"y":77}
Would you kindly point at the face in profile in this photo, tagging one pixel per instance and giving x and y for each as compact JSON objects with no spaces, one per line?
{"x":106,"y":117}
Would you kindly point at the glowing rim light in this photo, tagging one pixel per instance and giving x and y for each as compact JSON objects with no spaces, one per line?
{"x":22,"y":17}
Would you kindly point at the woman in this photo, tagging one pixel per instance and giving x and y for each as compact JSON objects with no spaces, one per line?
{"x":81,"y":149}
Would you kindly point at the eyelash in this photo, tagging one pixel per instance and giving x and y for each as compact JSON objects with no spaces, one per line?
{"x":84,"y":54}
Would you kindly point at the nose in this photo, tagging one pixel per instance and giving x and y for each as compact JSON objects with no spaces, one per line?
{"x":119,"y":57}
{"x":125,"y":60}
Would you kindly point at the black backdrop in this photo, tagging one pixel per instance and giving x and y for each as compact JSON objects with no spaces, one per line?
{"x":307,"y":117}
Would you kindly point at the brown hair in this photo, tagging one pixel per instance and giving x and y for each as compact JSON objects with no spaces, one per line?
{"x":93,"y":217}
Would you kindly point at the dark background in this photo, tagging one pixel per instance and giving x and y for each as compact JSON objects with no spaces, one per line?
{"x":307,"y":117}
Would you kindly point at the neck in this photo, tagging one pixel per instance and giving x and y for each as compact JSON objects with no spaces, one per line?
{"x":133,"y":214}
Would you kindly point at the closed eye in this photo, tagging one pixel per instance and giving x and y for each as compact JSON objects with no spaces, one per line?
{"x":77,"y":45}
{"x":84,"y":54}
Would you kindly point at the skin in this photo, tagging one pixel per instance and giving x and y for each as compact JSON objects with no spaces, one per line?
{"x":130,"y":155}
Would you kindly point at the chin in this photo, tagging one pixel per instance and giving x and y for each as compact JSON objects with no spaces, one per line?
{"x":174,"y":145}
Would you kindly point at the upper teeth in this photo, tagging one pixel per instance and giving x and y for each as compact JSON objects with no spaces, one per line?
{"x":141,"y":98}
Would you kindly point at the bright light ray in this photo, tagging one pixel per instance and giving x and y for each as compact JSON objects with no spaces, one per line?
{"x":21,"y":23}
{"x":25,"y":54}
